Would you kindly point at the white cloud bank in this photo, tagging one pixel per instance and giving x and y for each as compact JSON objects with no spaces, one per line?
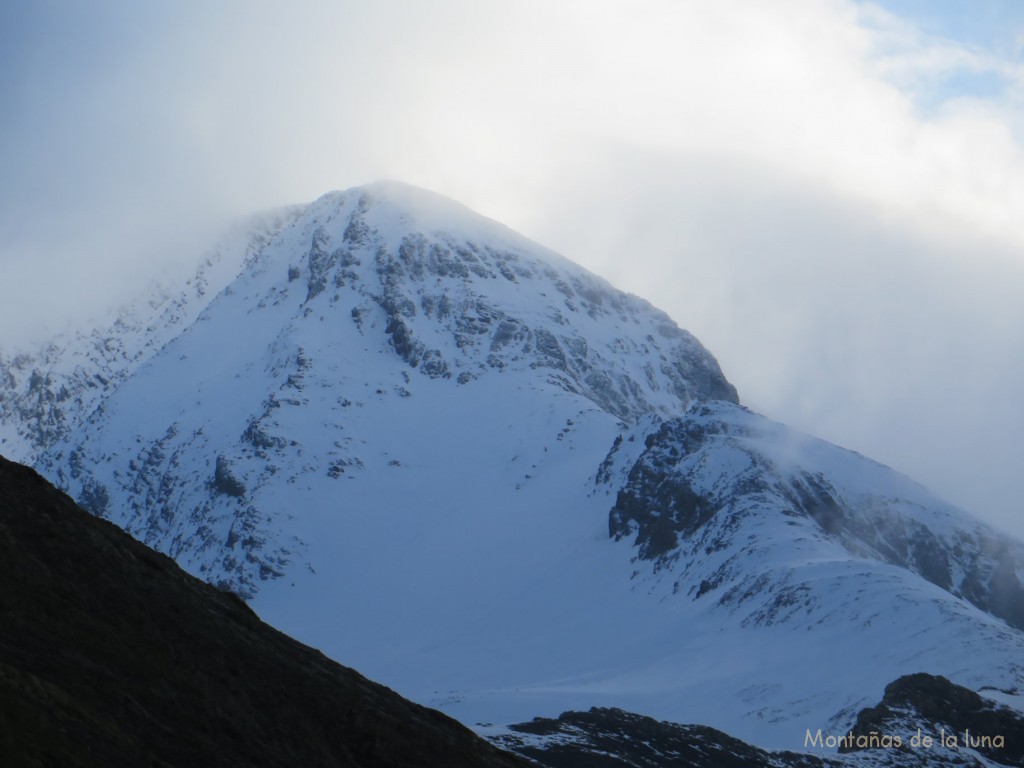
{"x":826,"y":195}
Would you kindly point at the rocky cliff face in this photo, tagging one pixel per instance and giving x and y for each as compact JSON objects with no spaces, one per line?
{"x":700,"y":477}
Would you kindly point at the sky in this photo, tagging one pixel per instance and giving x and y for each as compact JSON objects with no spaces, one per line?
{"x":828,"y":193}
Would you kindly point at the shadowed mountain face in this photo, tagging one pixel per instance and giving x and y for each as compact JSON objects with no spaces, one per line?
{"x":111,"y":655}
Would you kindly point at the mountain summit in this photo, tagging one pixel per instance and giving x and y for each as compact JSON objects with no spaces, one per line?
{"x":479,"y":473}
{"x":368,"y":298}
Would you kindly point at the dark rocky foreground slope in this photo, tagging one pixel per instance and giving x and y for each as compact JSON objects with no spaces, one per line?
{"x":111,"y":655}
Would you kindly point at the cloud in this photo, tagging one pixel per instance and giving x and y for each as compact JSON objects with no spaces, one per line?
{"x":830,"y":316}
{"x":826,"y":193}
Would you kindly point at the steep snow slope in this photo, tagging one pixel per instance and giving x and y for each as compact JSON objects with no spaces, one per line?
{"x":481,"y":475}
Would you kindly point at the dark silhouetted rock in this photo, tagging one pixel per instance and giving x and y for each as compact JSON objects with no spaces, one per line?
{"x":612,"y":738}
{"x":935,"y":706}
{"x":111,"y":655}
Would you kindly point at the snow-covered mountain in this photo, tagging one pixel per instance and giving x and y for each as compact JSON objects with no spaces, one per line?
{"x":481,"y":475}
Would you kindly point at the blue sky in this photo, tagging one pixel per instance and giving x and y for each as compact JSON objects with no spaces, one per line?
{"x":826,"y":192}
{"x":988,"y":28}
{"x":992,"y":25}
